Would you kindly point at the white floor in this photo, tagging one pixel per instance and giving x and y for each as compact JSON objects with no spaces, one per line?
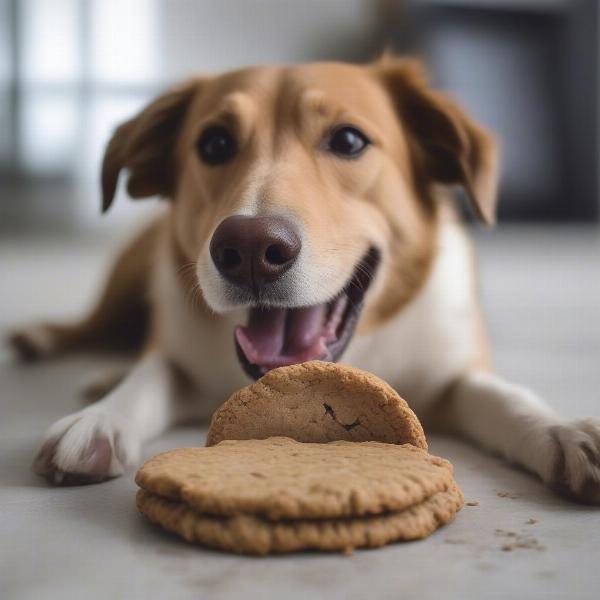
{"x":541,"y":287}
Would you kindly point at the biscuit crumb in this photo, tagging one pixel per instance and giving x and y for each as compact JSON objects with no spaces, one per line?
{"x":531,"y":521}
{"x":526,"y":543}
{"x":510,"y":495}
{"x":518,"y":541}
{"x":505,"y":533}
{"x":472,"y":503}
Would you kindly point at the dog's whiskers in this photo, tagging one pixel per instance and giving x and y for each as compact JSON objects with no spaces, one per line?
{"x":186,"y":267}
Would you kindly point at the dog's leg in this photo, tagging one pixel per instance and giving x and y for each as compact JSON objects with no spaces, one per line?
{"x":515,"y":422}
{"x":101,"y":440}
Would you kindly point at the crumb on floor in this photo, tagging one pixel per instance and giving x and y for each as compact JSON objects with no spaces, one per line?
{"x":518,"y":541}
{"x":505,"y":533}
{"x":521,"y":542}
{"x":510,"y":495}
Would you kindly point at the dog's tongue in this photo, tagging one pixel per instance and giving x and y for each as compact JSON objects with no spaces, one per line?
{"x":279,"y":336}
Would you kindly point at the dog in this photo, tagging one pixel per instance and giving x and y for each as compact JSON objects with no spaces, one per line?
{"x":309,"y":216}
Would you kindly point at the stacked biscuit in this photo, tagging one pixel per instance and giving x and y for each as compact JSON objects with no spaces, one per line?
{"x":313,"y":456}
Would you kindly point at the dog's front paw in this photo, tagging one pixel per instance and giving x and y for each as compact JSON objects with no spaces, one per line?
{"x":576,"y":461}
{"x":86,"y":447}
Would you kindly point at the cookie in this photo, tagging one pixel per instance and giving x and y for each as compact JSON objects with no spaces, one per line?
{"x":250,"y":534}
{"x":280,"y":478}
{"x":317,"y":402}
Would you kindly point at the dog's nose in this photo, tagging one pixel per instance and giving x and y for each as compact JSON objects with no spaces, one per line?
{"x":253,"y":251}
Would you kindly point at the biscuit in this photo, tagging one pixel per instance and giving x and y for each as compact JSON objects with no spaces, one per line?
{"x":317,"y":402}
{"x":250,"y":534}
{"x":280,"y":478}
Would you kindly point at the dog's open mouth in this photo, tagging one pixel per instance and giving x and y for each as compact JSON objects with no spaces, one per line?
{"x":275,"y":337}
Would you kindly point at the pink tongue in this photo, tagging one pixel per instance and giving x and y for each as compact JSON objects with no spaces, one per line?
{"x":265,"y":331}
{"x":304,"y":327}
{"x":268,"y":341}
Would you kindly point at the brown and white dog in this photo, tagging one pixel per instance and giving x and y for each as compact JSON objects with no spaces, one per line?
{"x":307,"y":219}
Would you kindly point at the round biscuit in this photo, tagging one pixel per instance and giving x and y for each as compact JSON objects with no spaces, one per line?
{"x":317,"y":401}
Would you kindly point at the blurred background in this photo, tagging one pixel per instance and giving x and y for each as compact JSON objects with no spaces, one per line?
{"x":70,"y":70}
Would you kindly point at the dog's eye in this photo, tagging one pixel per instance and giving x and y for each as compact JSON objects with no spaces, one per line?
{"x":347,"y":141}
{"x":216,"y":145}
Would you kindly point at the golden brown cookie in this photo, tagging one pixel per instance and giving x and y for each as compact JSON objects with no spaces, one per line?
{"x":280,"y":478}
{"x":317,"y":402}
{"x":250,"y":534}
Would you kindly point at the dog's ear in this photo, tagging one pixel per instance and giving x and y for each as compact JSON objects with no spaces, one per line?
{"x":144,"y":146}
{"x":447,"y":147}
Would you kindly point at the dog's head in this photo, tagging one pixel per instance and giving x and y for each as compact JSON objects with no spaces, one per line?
{"x":304,"y":193}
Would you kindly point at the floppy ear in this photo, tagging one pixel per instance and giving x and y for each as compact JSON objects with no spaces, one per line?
{"x":144,"y":146}
{"x":448,"y":147}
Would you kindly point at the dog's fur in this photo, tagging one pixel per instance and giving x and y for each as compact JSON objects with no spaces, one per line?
{"x":421,"y":328}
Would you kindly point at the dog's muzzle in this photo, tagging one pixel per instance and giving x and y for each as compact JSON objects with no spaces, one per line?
{"x":255,"y":255}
